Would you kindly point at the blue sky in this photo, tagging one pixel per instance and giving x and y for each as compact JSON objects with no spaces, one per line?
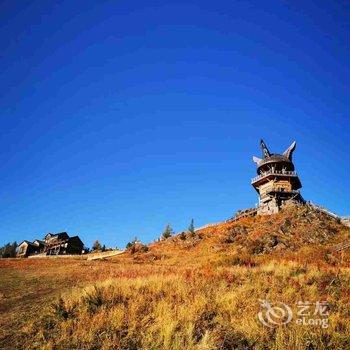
{"x":118,"y":117}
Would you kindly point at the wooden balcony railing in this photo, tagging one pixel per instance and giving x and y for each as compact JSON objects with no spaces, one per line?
{"x":274,"y":172}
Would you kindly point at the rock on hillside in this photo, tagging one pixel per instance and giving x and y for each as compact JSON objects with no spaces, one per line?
{"x":346,"y":221}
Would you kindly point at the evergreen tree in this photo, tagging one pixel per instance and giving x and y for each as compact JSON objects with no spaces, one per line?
{"x":8,"y":250}
{"x":132,"y":243}
{"x":191,"y":227}
{"x":97,"y":245}
{"x":168,"y":232}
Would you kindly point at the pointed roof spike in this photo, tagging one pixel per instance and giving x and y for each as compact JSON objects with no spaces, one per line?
{"x":289,"y":151}
{"x":256,"y":160}
{"x":265,"y":150}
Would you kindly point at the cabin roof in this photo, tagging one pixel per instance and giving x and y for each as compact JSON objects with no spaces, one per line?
{"x":60,"y":235}
{"x":76,"y":238}
{"x":25,"y":241}
{"x":39,"y":241}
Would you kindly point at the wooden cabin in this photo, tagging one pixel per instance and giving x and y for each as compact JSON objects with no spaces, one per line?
{"x":53,"y":244}
{"x":61,"y":243}
{"x":27,"y":248}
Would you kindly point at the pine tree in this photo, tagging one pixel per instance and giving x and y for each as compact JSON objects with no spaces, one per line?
{"x":8,"y":250}
{"x":168,"y":232}
{"x":132,"y":243}
{"x":97,"y":245}
{"x":191,"y":227}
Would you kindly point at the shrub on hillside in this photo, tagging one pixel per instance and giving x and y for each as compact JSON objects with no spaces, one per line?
{"x":136,"y":247}
{"x":182,"y":236}
{"x":233,"y":234}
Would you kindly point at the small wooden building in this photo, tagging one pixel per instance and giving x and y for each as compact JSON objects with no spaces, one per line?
{"x":27,"y":248}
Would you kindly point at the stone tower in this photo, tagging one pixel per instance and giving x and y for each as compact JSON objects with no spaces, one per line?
{"x":277,"y":182}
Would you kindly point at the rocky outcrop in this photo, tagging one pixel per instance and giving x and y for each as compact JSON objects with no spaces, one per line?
{"x":346,"y":221}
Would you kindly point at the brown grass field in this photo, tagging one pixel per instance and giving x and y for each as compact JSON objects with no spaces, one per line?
{"x":198,"y":291}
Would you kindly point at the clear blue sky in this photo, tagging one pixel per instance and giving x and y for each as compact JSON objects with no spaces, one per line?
{"x":118,"y":117}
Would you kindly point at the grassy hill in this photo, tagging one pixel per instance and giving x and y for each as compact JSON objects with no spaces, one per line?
{"x":191,"y":291}
{"x":298,"y":233}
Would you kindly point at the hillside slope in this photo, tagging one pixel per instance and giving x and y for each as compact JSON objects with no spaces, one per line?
{"x":298,"y":233}
{"x":198,"y":291}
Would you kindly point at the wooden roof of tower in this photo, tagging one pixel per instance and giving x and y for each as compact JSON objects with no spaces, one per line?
{"x":282,"y":163}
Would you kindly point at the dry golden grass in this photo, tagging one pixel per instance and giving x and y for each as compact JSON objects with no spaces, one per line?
{"x":193,"y":292}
